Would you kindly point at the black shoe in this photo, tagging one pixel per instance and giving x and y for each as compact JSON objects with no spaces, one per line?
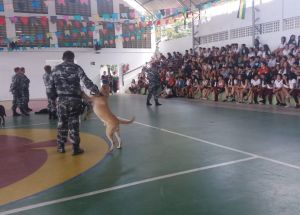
{"x":28,"y":109}
{"x":149,"y":104}
{"x":157,"y":104}
{"x":61,"y":149}
{"x":77,"y":151}
{"x":24,"y":113}
{"x":15,"y":114}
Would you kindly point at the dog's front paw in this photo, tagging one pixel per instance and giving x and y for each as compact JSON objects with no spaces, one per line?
{"x":111,"y":149}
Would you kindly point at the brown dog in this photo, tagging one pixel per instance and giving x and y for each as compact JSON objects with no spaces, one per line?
{"x":103,"y":112}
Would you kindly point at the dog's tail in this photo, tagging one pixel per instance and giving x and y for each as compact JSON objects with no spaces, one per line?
{"x":123,"y":121}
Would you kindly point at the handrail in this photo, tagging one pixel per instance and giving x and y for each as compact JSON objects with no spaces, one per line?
{"x":133,"y":70}
{"x":123,"y":74}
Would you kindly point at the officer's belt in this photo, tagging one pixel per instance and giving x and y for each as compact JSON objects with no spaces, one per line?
{"x":69,"y":95}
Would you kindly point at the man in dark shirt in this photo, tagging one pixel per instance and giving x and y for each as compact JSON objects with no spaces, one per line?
{"x":65,"y":85}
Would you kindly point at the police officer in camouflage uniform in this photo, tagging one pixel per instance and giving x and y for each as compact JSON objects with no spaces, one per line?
{"x":25,"y":90}
{"x":51,"y":103}
{"x":16,"y":90}
{"x":154,"y":83}
{"x":65,"y":85}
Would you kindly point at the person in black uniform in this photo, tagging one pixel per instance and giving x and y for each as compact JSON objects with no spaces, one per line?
{"x":65,"y":86}
{"x":154,"y":83}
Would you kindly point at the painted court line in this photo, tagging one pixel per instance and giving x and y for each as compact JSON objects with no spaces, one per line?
{"x":43,"y":204}
{"x":27,"y":125}
{"x":224,"y":147}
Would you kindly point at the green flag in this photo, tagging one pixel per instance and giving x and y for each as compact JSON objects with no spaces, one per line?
{"x":242,"y":10}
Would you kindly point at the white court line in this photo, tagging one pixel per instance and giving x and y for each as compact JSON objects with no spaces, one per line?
{"x":27,"y":125}
{"x":43,"y":204}
{"x":221,"y":146}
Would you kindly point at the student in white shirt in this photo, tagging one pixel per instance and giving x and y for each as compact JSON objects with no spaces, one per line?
{"x":278,"y":90}
{"x":289,"y":89}
{"x":255,"y":87}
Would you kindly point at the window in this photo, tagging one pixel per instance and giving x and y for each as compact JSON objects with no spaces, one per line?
{"x":210,"y":38}
{"x":2,"y":31}
{"x":32,"y":31}
{"x":73,"y":7}
{"x":126,"y":12}
{"x":105,"y":6}
{"x":136,"y":37}
{"x":107,"y":35}
{"x":30,"y":6}
{"x":1,"y":6}
{"x":74,"y":33}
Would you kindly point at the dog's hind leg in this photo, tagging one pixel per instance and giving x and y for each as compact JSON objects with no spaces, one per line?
{"x":109,"y":135}
{"x":117,"y":134}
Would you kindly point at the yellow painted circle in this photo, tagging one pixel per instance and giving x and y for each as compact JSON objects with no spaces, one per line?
{"x":58,"y":168}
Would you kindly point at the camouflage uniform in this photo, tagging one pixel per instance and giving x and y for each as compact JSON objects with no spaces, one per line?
{"x":16,"y":90}
{"x":51,"y":103}
{"x":154,"y":84}
{"x":25,"y":91}
{"x":65,"y":83}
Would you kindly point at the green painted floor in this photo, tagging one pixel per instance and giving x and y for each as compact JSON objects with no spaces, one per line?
{"x":186,"y":136}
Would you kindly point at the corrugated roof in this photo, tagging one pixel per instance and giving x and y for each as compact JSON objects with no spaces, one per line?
{"x":155,"y":5}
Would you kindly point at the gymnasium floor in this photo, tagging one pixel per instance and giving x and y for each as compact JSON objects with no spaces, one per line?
{"x":183,"y":158}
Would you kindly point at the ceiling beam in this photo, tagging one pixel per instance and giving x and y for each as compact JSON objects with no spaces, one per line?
{"x":146,"y":9}
{"x":146,"y":2}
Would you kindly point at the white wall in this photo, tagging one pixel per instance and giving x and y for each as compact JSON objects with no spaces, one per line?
{"x":273,"y":10}
{"x":180,"y":45}
{"x":35,"y":61}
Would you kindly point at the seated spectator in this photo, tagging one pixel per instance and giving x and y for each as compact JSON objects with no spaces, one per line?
{"x":133,"y":87}
{"x":289,"y":89}
{"x":266,"y":89}
{"x":286,"y":51}
{"x":167,"y":93}
{"x":219,"y":87}
{"x":255,"y":88}
{"x":280,"y":48}
{"x":263,"y":69}
{"x":278,"y":90}
{"x":229,"y":88}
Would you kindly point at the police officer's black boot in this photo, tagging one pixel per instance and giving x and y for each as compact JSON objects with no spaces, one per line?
{"x":61,"y":148}
{"x":148,"y":103}
{"x":54,"y":115}
{"x":157,"y":103}
{"x":50,"y":115}
{"x":77,"y":150}
{"x":15,"y":113}
{"x":23,"y":112}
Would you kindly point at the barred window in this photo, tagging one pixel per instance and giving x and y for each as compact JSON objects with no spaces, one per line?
{"x":30,"y":6}
{"x":126,"y":12}
{"x":32,"y":31}
{"x":105,"y":6}
{"x":1,"y":6}
{"x":73,"y":7}
{"x":107,"y":35}
{"x":136,"y":36}
{"x":2,"y":31}
{"x":73,"y":33}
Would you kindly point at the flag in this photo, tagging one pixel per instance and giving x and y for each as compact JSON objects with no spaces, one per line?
{"x":242,"y":10}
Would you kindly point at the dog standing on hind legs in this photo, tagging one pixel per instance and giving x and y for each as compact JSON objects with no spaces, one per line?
{"x":2,"y":116}
{"x":103,"y":112}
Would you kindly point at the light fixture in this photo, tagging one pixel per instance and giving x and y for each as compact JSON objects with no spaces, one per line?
{"x":134,"y":4}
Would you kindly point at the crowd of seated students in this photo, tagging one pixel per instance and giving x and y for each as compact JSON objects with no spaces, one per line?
{"x":239,"y":74}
